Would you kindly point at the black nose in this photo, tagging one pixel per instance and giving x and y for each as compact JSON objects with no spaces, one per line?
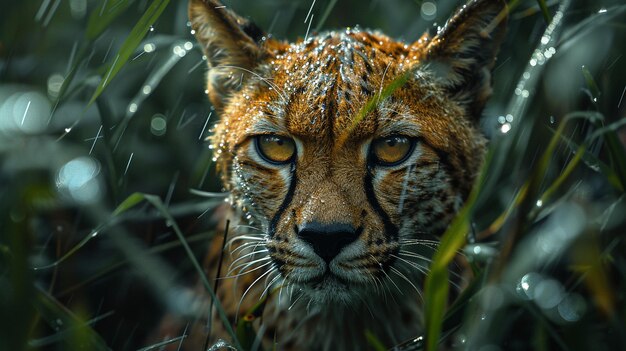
{"x":327,"y":240}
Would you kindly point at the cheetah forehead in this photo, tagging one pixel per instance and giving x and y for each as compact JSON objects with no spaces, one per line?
{"x":317,"y":87}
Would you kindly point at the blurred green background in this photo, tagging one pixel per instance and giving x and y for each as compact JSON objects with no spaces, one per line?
{"x":100,"y":100}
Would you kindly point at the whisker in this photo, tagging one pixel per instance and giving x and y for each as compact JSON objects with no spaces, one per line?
{"x":426,"y":259}
{"x":247,"y":237}
{"x":265,"y":80}
{"x":415,"y":265}
{"x":271,"y":283}
{"x":380,"y":289}
{"x":430,"y":243}
{"x":414,"y":255}
{"x":243,"y":271}
{"x":248,"y":256}
{"x":396,"y":271}
{"x":245,"y":246}
{"x":297,"y":299}
{"x":246,"y":292}
{"x":387,"y":275}
{"x":248,"y":227}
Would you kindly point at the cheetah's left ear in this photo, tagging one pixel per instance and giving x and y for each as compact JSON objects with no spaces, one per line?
{"x":464,"y":51}
{"x":230,"y":44}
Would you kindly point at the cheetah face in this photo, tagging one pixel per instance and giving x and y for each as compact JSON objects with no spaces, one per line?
{"x":349,"y":151}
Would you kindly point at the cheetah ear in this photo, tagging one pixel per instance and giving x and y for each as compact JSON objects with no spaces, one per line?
{"x":230,"y":44}
{"x":464,"y":51}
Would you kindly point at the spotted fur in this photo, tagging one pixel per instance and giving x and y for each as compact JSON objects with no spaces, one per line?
{"x":314,"y":92}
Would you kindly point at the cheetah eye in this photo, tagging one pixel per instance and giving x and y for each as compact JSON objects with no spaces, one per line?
{"x":275,"y":149}
{"x":392,"y":150}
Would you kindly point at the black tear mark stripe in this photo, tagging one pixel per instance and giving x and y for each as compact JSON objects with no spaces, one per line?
{"x":390,"y":229}
{"x":285,"y":203}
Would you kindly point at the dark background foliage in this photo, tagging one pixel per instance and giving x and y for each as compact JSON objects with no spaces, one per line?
{"x":74,"y":274}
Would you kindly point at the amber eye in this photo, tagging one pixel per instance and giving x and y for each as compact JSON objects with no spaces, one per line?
{"x":275,"y":149}
{"x":392,"y":150}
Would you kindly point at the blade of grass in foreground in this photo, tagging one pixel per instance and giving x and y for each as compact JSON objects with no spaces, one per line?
{"x":130,"y":44}
{"x":595,"y":164}
{"x":102,"y":16}
{"x":99,"y":20}
{"x":437,"y":286}
{"x":544,"y":10}
{"x":158,"y":204}
{"x":75,"y":330}
{"x":384,"y":92}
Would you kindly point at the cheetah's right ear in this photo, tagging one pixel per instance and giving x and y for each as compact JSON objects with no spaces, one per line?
{"x":231,"y":46}
{"x":464,"y":51}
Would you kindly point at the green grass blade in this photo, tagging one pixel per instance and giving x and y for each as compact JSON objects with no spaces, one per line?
{"x":615,"y":147}
{"x":162,"y":344}
{"x":55,"y":314}
{"x":158,"y":204}
{"x":437,"y":286}
{"x":117,"y":264}
{"x":572,"y":36}
{"x":547,"y":195}
{"x":69,"y":78}
{"x":591,"y":84}
{"x":106,"y":118}
{"x":595,"y":164}
{"x":130,"y":44}
{"x":373,"y":101}
{"x":544,"y":10}
{"x":129,"y":203}
{"x":373,"y":341}
{"x":102,"y":16}
{"x":618,"y":155}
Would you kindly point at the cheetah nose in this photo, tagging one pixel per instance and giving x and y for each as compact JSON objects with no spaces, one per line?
{"x":327,"y":240}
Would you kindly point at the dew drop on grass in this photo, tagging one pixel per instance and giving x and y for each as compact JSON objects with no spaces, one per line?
{"x":428,"y":10}
{"x":158,"y":125}
{"x":460,"y":339}
{"x":78,"y":180}
{"x":55,"y":81}
{"x":149,"y":47}
{"x":548,"y":293}
{"x":572,"y":308}
{"x":505,"y":128}
{"x":526,"y":286}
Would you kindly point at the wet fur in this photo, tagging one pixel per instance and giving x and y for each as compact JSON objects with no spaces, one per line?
{"x":312,"y":91}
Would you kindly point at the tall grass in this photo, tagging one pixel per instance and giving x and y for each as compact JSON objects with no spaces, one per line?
{"x":115,"y":87}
